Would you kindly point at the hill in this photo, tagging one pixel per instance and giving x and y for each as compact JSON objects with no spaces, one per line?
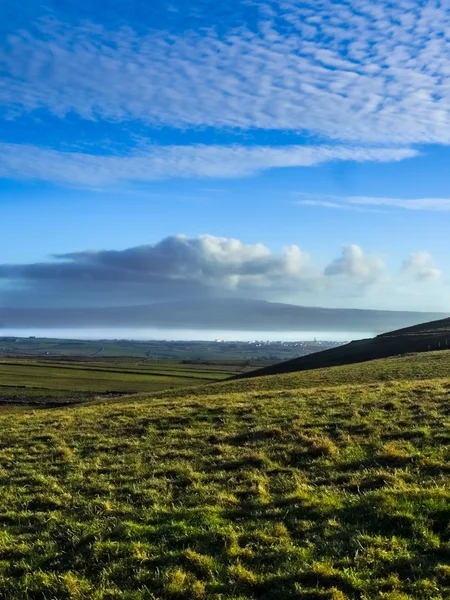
{"x":330,"y":484}
{"x":221,"y":314}
{"x":439,"y":327}
{"x":424,"y":337}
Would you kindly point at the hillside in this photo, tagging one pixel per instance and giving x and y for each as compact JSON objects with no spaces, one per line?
{"x":329,"y":484}
{"x":213,"y":313}
{"x":425,"y":337}
{"x":439,"y":327}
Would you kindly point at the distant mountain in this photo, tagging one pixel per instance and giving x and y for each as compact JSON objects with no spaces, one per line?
{"x":425,"y":337}
{"x":224,"y":314}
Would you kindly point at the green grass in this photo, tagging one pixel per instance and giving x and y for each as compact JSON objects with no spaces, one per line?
{"x":330,"y":485}
{"x":426,"y":365}
{"x":30,"y":380}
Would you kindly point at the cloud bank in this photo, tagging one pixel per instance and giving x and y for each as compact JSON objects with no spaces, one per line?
{"x":178,"y":268}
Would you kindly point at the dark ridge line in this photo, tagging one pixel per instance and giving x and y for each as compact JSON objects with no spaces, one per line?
{"x":391,"y":344}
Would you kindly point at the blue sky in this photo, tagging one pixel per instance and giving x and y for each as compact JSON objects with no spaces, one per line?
{"x":283,"y":150}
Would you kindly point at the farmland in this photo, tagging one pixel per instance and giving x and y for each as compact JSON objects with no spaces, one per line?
{"x":69,"y":381}
{"x":162,"y":350}
{"x":49,"y":371}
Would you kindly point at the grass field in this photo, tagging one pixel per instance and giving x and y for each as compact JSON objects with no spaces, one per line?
{"x":34,"y":380}
{"x":327,"y":485}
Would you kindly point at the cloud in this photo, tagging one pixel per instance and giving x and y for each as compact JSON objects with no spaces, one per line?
{"x":173,"y":268}
{"x":430,"y":204}
{"x":324,"y":204}
{"x":353,"y":263}
{"x":336,"y":205}
{"x":183,"y":268}
{"x":161,"y":162}
{"x":208,"y":260}
{"x":348,"y":71}
{"x":359,"y":202}
{"x":420,"y":266}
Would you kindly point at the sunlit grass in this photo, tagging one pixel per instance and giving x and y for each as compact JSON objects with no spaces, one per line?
{"x":269,"y":491}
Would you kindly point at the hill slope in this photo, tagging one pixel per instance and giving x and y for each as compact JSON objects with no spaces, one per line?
{"x":272,"y":488}
{"x":425,"y":337}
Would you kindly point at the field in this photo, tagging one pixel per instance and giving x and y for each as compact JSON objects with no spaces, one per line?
{"x":164,"y":350}
{"x":72,"y":381}
{"x":317,"y":485}
{"x":53,"y":381}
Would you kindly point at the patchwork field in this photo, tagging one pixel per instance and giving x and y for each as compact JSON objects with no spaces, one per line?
{"x":314,"y":485}
{"x":51,"y":381}
{"x":163,"y":350}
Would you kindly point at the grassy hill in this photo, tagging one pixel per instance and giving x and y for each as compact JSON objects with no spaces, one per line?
{"x":439,"y":327}
{"x":426,"y":337}
{"x":324,"y":484}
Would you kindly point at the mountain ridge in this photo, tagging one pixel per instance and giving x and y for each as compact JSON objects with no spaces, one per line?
{"x":231,"y":314}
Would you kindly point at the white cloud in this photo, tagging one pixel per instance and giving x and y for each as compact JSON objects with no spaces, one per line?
{"x":175,"y":266}
{"x":350,"y":71}
{"x":353,"y":263}
{"x":358,"y":202}
{"x":161,"y":162}
{"x":420,"y":266}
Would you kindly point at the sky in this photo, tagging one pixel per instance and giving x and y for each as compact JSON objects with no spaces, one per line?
{"x":281,"y":150}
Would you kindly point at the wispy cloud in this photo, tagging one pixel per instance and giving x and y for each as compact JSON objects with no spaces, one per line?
{"x":434,"y":204}
{"x":357,"y":202}
{"x":351,"y":71}
{"x":335,"y":205}
{"x":161,"y":162}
